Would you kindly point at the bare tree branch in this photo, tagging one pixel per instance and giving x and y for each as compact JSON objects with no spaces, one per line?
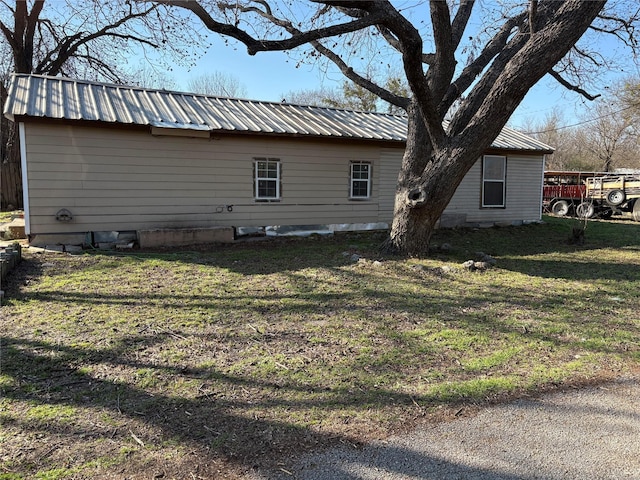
{"x":254,"y":46}
{"x":443,"y":67}
{"x":573,"y":88}
{"x":346,"y":70}
{"x":471,"y":72}
{"x":626,"y":25}
{"x":70,"y":46}
{"x":460,"y":21}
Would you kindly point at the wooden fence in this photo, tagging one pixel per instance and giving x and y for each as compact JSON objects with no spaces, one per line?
{"x":10,"y":186}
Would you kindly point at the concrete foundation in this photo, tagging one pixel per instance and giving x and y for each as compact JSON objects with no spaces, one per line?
{"x":176,"y":237}
{"x":47,"y":239}
{"x":452,"y":220}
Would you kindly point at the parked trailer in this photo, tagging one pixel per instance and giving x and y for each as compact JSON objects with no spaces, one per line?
{"x":614,"y":193}
{"x":564,"y":191}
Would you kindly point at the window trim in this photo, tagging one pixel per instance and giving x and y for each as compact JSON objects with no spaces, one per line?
{"x":352,"y":180}
{"x":257,"y":179}
{"x":503,"y":181}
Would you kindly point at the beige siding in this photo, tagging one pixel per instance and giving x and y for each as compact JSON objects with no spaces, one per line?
{"x":112,"y":179}
{"x":523,"y":187}
{"x":523,"y":184}
{"x":390,"y":162}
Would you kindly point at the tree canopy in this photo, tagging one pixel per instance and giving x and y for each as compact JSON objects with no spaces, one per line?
{"x":605,"y":138}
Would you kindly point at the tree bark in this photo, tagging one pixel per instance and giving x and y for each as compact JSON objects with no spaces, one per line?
{"x":427,"y":181}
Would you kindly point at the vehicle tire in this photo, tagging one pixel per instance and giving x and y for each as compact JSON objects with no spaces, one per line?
{"x":585,"y":210}
{"x":636,"y":210}
{"x":616,"y":197}
{"x":560,"y":208}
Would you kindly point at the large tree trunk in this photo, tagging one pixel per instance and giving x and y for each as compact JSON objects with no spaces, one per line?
{"x":427,"y":181}
{"x":420,"y":202}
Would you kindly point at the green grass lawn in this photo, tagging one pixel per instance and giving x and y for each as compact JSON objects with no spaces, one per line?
{"x":214,"y":361}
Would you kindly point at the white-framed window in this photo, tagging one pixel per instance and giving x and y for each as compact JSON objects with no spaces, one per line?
{"x":360,"y":180}
{"x":494,"y":175}
{"x":266,"y":174}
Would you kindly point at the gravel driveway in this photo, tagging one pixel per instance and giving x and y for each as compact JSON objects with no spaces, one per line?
{"x":584,"y":434}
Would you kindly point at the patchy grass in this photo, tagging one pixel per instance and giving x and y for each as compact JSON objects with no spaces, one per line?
{"x":211,"y":362}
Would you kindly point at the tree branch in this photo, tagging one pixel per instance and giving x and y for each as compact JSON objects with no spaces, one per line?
{"x":441,"y":71}
{"x":427,"y":58}
{"x":68,"y":48}
{"x":461,"y":21}
{"x":500,"y":91}
{"x":626,"y":25}
{"x":346,"y":70}
{"x":573,"y":88}
{"x":254,"y":46}
{"x":471,"y":72}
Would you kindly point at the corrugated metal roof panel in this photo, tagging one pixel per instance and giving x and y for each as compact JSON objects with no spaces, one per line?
{"x":63,"y":98}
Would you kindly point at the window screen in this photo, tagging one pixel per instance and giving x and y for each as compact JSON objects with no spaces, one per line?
{"x":494,"y":169}
{"x":267,"y":178}
{"x":360,"y":180}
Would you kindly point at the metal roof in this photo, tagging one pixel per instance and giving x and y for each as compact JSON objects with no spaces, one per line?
{"x":68,"y":99}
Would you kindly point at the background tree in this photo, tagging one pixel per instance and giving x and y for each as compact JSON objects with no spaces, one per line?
{"x":356,"y":97}
{"x":521,"y":43}
{"x":150,"y":76}
{"x":350,"y":96}
{"x":553,"y":132}
{"x":604,"y":139}
{"x":91,"y":39}
{"x":218,"y":83}
{"x":322,"y":97}
{"x":608,"y":136}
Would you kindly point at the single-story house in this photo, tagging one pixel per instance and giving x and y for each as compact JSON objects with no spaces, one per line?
{"x":99,"y":160}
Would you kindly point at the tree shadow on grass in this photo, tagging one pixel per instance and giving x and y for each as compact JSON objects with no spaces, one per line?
{"x":572,"y":270}
{"x":224,"y":416}
{"x":214,"y":431}
{"x":38,"y":373}
{"x":54,"y":379}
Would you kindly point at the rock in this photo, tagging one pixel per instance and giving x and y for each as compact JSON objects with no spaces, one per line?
{"x":355,"y":257}
{"x":483,"y":257}
{"x":481,"y":265}
{"x":469,"y":265}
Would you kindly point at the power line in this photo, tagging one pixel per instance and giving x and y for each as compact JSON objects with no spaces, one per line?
{"x":635,"y":105}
